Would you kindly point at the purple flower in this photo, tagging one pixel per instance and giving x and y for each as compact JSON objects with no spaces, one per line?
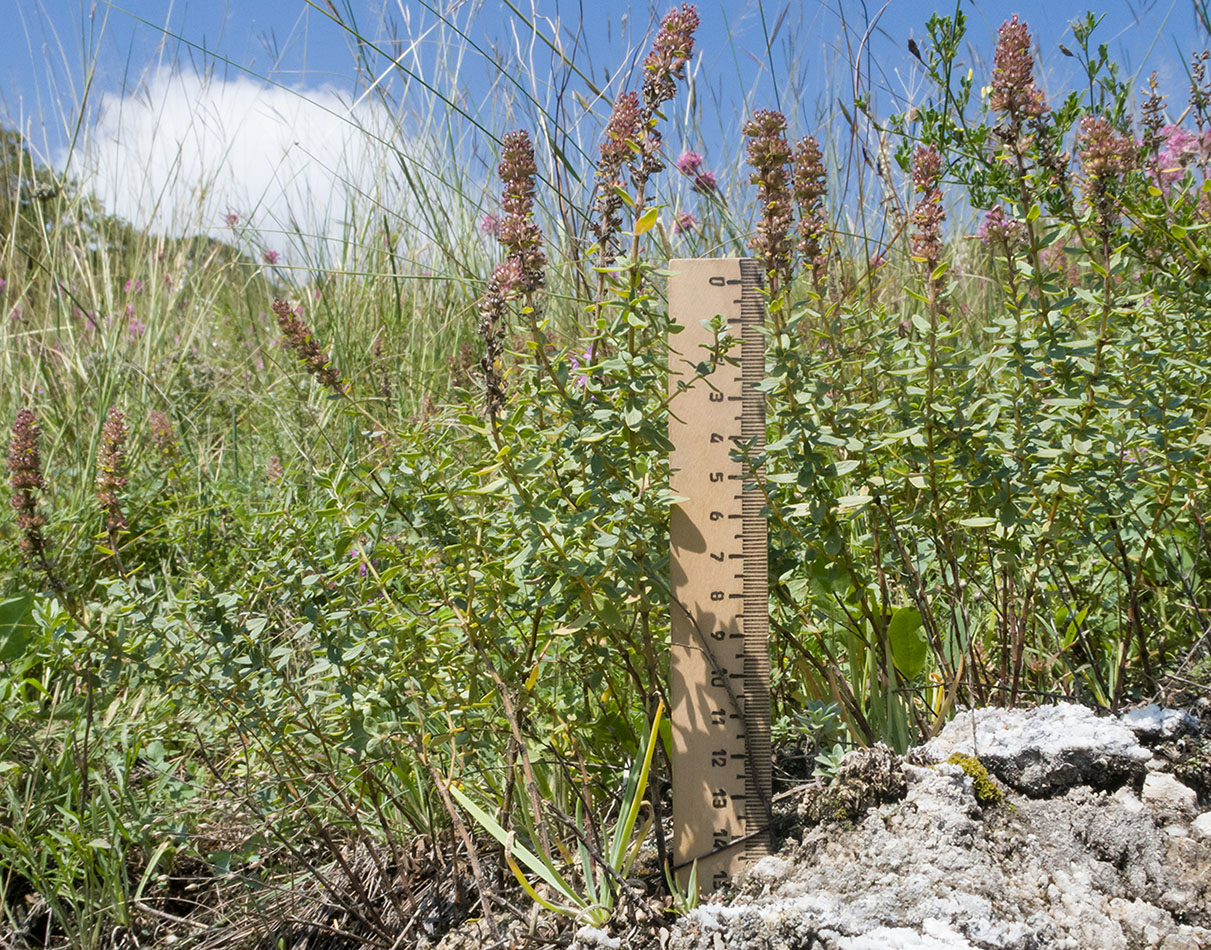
{"x":579,"y":364}
{"x":689,"y":163}
{"x":3,"y":284}
{"x":270,"y":257}
{"x":685,"y":222}
{"x":705,"y":183}
{"x":135,"y":286}
{"x":671,"y":50}
{"x":490,"y":225}
{"x":519,"y":233}
{"x":136,"y":329}
{"x":1013,"y":87}
{"x":1181,"y":150}
{"x":232,"y":219}
{"x":1000,"y":227}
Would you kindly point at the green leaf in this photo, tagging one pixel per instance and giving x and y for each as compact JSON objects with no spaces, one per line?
{"x":16,"y":626}
{"x":646,"y":221}
{"x":977,"y":522}
{"x":632,"y":800}
{"x":538,"y":866}
{"x":908,"y":647}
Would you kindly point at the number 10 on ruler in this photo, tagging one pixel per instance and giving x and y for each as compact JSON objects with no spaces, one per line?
{"x":722,"y":771}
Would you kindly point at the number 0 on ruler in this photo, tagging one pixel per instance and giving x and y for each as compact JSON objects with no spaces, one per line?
{"x":722,"y":769}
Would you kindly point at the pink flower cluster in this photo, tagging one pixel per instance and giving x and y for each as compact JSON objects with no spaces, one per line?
{"x":1182,"y":150}
{"x":690,"y":165}
{"x":1013,"y":88}
{"x":685,"y":223}
{"x":1001,"y":228}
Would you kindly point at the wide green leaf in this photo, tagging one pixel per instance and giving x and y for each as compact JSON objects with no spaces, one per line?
{"x":908,"y":646}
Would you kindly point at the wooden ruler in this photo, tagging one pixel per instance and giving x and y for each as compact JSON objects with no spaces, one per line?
{"x":722,"y":767}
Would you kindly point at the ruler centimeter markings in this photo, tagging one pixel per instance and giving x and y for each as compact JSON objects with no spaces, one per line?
{"x":719,"y":689}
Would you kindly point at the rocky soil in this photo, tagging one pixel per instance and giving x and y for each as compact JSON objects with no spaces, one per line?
{"x":1086,"y":832}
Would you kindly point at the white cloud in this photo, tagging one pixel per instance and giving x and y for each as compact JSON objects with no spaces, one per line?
{"x":299,"y":168}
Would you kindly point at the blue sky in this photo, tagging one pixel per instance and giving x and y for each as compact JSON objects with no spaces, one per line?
{"x":296,"y":42}
{"x":292,"y":67}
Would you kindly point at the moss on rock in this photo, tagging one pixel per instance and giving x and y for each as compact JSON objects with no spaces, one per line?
{"x":986,"y":790}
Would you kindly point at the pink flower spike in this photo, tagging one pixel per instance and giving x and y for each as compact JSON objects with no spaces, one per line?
{"x":270,"y":257}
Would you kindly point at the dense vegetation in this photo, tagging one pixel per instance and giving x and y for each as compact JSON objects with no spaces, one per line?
{"x":307,"y":602}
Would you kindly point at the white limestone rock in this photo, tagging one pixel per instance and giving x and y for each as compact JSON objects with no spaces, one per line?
{"x":1045,"y":750}
{"x":1153,"y":722}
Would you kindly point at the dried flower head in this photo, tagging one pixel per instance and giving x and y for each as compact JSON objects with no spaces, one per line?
{"x":809,"y":188}
{"x":665,"y":64}
{"x":502,"y":286}
{"x":274,"y":471}
{"x":927,"y":214}
{"x":25,"y":479}
{"x":767,"y":151}
{"x":111,"y":469}
{"x":1013,"y":88}
{"x":297,"y":336}
{"x":1152,"y":115}
{"x":1200,"y":92}
{"x":622,"y":133}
